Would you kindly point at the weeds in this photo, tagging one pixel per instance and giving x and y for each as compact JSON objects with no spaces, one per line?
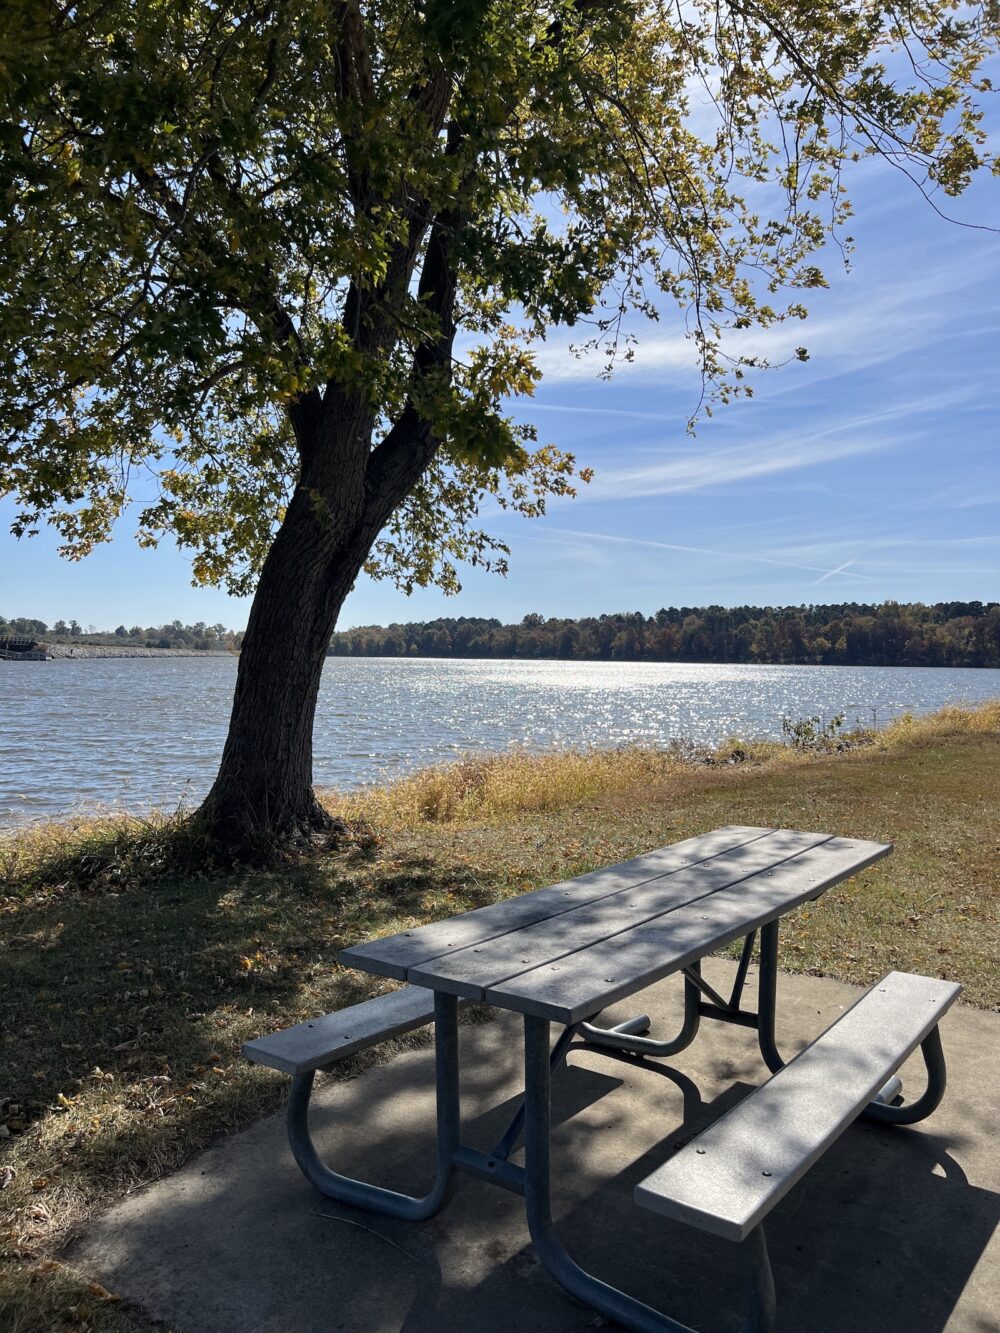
{"x":812,"y":733}
{"x":498,"y":786}
{"x":111,"y":852}
{"x":955,"y":720}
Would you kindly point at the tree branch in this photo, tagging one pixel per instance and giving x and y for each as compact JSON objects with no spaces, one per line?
{"x":397,"y":463}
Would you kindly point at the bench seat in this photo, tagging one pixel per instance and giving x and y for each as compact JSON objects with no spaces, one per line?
{"x":729,"y":1178}
{"x":319,"y":1043}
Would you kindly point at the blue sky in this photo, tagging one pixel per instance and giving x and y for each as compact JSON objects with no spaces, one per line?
{"x":869,"y":472}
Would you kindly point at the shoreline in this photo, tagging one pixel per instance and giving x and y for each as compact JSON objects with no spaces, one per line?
{"x":82,"y":651}
{"x":87,"y":651}
{"x":474,"y":783}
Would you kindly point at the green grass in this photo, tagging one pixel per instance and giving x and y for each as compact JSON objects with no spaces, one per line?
{"x":127,"y":991}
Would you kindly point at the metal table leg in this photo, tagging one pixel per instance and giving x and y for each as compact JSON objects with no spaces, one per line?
{"x":626,"y":1036}
{"x":508,"y":1140}
{"x":910,"y":1112}
{"x":767,"y":992}
{"x":373,"y":1197}
{"x":628,"y":1311}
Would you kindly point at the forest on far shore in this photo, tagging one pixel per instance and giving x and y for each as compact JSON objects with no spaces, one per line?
{"x":961,"y":634}
{"x":957,"y":634}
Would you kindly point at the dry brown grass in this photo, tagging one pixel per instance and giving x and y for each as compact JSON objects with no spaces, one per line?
{"x":517,"y":782}
{"x":955,"y":720}
{"x":102,"y":851}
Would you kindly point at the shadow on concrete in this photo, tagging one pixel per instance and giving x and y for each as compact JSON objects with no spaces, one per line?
{"x":885,"y":1232}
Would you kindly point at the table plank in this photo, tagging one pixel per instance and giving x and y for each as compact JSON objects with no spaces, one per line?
{"x":470,"y":971}
{"x":394,"y":955}
{"x":582,"y":983}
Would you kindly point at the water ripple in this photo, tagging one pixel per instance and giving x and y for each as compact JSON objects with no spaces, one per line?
{"x":137,"y":732}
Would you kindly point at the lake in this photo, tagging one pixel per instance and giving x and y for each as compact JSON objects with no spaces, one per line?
{"x":135,"y":732}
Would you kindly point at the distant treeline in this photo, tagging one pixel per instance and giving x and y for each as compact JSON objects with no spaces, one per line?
{"x":851,"y":634}
{"x":174,"y":635}
{"x":848,"y":634}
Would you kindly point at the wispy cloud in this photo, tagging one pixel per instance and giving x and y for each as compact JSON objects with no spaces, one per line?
{"x":890,"y":555}
{"x":864,"y":321}
{"x":531,"y":407}
{"x":702,"y":467}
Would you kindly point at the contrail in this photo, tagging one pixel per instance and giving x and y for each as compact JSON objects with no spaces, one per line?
{"x":839,"y":570}
{"x":699,"y":550}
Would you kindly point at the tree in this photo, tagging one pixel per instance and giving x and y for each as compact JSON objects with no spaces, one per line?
{"x":289,"y":258}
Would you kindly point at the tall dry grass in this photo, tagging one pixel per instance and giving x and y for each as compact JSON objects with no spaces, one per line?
{"x":104,"y":850}
{"x":955,"y":720}
{"x":494,"y":786}
{"x":498,"y":787}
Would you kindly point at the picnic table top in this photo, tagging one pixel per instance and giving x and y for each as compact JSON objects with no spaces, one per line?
{"x":567,"y":951}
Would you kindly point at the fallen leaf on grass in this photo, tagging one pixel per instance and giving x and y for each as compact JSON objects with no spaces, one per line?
{"x":102,"y":1293}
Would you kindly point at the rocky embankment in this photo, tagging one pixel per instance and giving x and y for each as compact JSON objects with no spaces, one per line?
{"x":112,"y":650}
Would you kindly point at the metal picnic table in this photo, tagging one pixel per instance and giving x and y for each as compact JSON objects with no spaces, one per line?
{"x":564,"y":953}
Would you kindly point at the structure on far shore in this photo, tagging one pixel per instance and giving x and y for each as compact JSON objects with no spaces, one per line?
{"x":23,"y":650}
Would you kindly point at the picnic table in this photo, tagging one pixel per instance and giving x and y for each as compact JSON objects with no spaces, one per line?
{"x":563,"y":954}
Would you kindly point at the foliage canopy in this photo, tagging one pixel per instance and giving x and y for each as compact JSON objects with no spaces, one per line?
{"x":216,"y":217}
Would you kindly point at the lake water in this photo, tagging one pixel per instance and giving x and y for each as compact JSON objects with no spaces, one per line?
{"x":136,"y":732}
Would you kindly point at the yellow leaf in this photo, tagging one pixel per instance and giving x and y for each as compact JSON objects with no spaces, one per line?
{"x":102,"y":1293}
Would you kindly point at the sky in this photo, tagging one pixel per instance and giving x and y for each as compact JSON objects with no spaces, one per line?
{"x":869,"y":472}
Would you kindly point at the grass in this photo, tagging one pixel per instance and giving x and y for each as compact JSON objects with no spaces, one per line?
{"x":502,"y":786}
{"x":128,"y":988}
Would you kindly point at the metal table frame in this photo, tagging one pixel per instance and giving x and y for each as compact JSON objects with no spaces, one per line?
{"x":532,"y":1119}
{"x":533,"y":1180}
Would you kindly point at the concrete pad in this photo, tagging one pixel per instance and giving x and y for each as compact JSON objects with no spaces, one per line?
{"x":894,"y":1229}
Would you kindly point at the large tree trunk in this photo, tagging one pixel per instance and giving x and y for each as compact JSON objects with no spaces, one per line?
{"x":263,"y":796}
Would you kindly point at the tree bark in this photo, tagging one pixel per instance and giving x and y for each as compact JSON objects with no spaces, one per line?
{"x":262,"y":799}
{"x":263,"y":796}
